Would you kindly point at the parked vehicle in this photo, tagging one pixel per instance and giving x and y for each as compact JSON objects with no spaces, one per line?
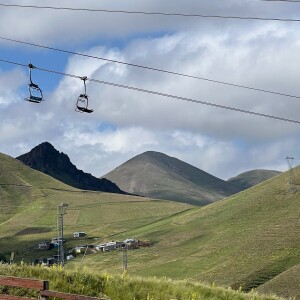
{"x":79,"y":234}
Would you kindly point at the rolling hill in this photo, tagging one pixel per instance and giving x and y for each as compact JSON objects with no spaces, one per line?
{"x":29,"y":200}
{"x":251,"y":178}
{"x":250,"y":240}
{"x":247,"y":240}
{"x":47,"y":159}
{"x":286,"y":283}
{"x":159,"y":176}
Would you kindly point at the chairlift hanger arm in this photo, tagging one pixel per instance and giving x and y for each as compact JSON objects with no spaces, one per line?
{"x":84,"y":79}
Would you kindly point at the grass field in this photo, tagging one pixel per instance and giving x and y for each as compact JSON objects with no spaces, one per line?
{"x":123,"y":287}
{"x":29,"y":201}
{"x":246,"y":241}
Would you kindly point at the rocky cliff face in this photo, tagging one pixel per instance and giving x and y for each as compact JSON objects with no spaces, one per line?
{"x":45,"y":158}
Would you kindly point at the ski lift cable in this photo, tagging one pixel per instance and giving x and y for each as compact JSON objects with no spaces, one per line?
{"x":151,"y":13}
{"x":154,"y":69}
{"x":160,"y":94}
{"x":290,"y":1}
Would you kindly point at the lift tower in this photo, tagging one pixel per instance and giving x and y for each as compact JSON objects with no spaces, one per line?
{"x":61,"y":211}
{"x":292,"y":184}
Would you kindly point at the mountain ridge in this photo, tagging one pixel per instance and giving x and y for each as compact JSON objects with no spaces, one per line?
{"x":157,"y":175}
{"x":45,"y":158}
{"x":251,"y":178}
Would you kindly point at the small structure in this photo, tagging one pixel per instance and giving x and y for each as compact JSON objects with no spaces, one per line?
{"x":79,"y":234}
{"x":55,"y":241}
{"x":69,"y":257}
{"x":131,"y":244}
{"x":48,"y":261}
{"x":80,"y":249}
{"x":83,"y":249}
{"x":110,"y":246}
{"x":44,"y":245}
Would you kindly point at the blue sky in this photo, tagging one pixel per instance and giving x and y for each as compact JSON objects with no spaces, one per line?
{"x":125,"y":123}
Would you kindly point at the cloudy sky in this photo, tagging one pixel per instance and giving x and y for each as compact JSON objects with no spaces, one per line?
{"x":259,"y":54}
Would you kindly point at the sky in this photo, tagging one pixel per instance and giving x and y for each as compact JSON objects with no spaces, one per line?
{"x":260,"y":54}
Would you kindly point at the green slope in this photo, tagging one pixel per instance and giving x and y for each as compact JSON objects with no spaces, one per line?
{"x":21,"y":188}
{"x":245,"y":240}
{"x":251,"y":178}
{"x":29,"y":201}
{"x":156,"y":175}
{"x":286,"y":284}
{"x":123,"y":287}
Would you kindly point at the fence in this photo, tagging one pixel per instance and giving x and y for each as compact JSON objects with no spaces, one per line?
{"x":42,"y":286}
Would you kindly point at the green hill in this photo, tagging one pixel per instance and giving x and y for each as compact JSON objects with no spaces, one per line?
{"x":29,"y":200}
{"x":22,"y":188}
{"x":286,"y":283}
{"x":250,"y":240}
{"x":251,"y":178}
{"x":245,"y":240}
{"x":159,"y":176}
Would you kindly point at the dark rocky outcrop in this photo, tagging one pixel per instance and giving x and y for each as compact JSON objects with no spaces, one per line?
{"x":45,"y":158}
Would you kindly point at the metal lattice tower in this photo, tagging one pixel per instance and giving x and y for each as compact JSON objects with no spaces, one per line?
{"x":61,"y":211}
{"x":292,"y":184}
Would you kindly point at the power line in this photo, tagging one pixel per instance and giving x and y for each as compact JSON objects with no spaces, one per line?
{"x":281,"y":1}
{"x":153,"y":69}
{"x":150,"y":13}
{"x":158,"y":93}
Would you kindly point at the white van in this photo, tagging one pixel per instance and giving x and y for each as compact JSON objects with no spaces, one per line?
{"x":79,"y":234}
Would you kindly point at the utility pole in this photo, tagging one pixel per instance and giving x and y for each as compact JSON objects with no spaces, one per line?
{"x":124,"y":256}
{"x":290,"y":162}
{"x":61,"y":211}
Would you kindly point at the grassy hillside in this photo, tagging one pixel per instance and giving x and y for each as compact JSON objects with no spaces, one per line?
{"x":125,"y":287}
{"x":286,"y":283}
{"x":22,"y":188}
{"x":156,"y":175}
{"x":245,"y":240}
{"x":29,"y":201}
{"x":251,"y":178}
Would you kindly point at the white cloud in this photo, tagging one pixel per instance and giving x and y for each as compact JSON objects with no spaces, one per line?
{"x":126,"y":123}
{"x":10,"y":82}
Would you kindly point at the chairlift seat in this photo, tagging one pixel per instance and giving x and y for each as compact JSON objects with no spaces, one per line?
{"x":84,"y":109}
{"x":34,"y":99}
{"x":35,"y":93}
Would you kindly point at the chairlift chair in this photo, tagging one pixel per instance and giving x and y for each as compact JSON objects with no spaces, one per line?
{"x":35,"y":93}
{"x":83,"y":101}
